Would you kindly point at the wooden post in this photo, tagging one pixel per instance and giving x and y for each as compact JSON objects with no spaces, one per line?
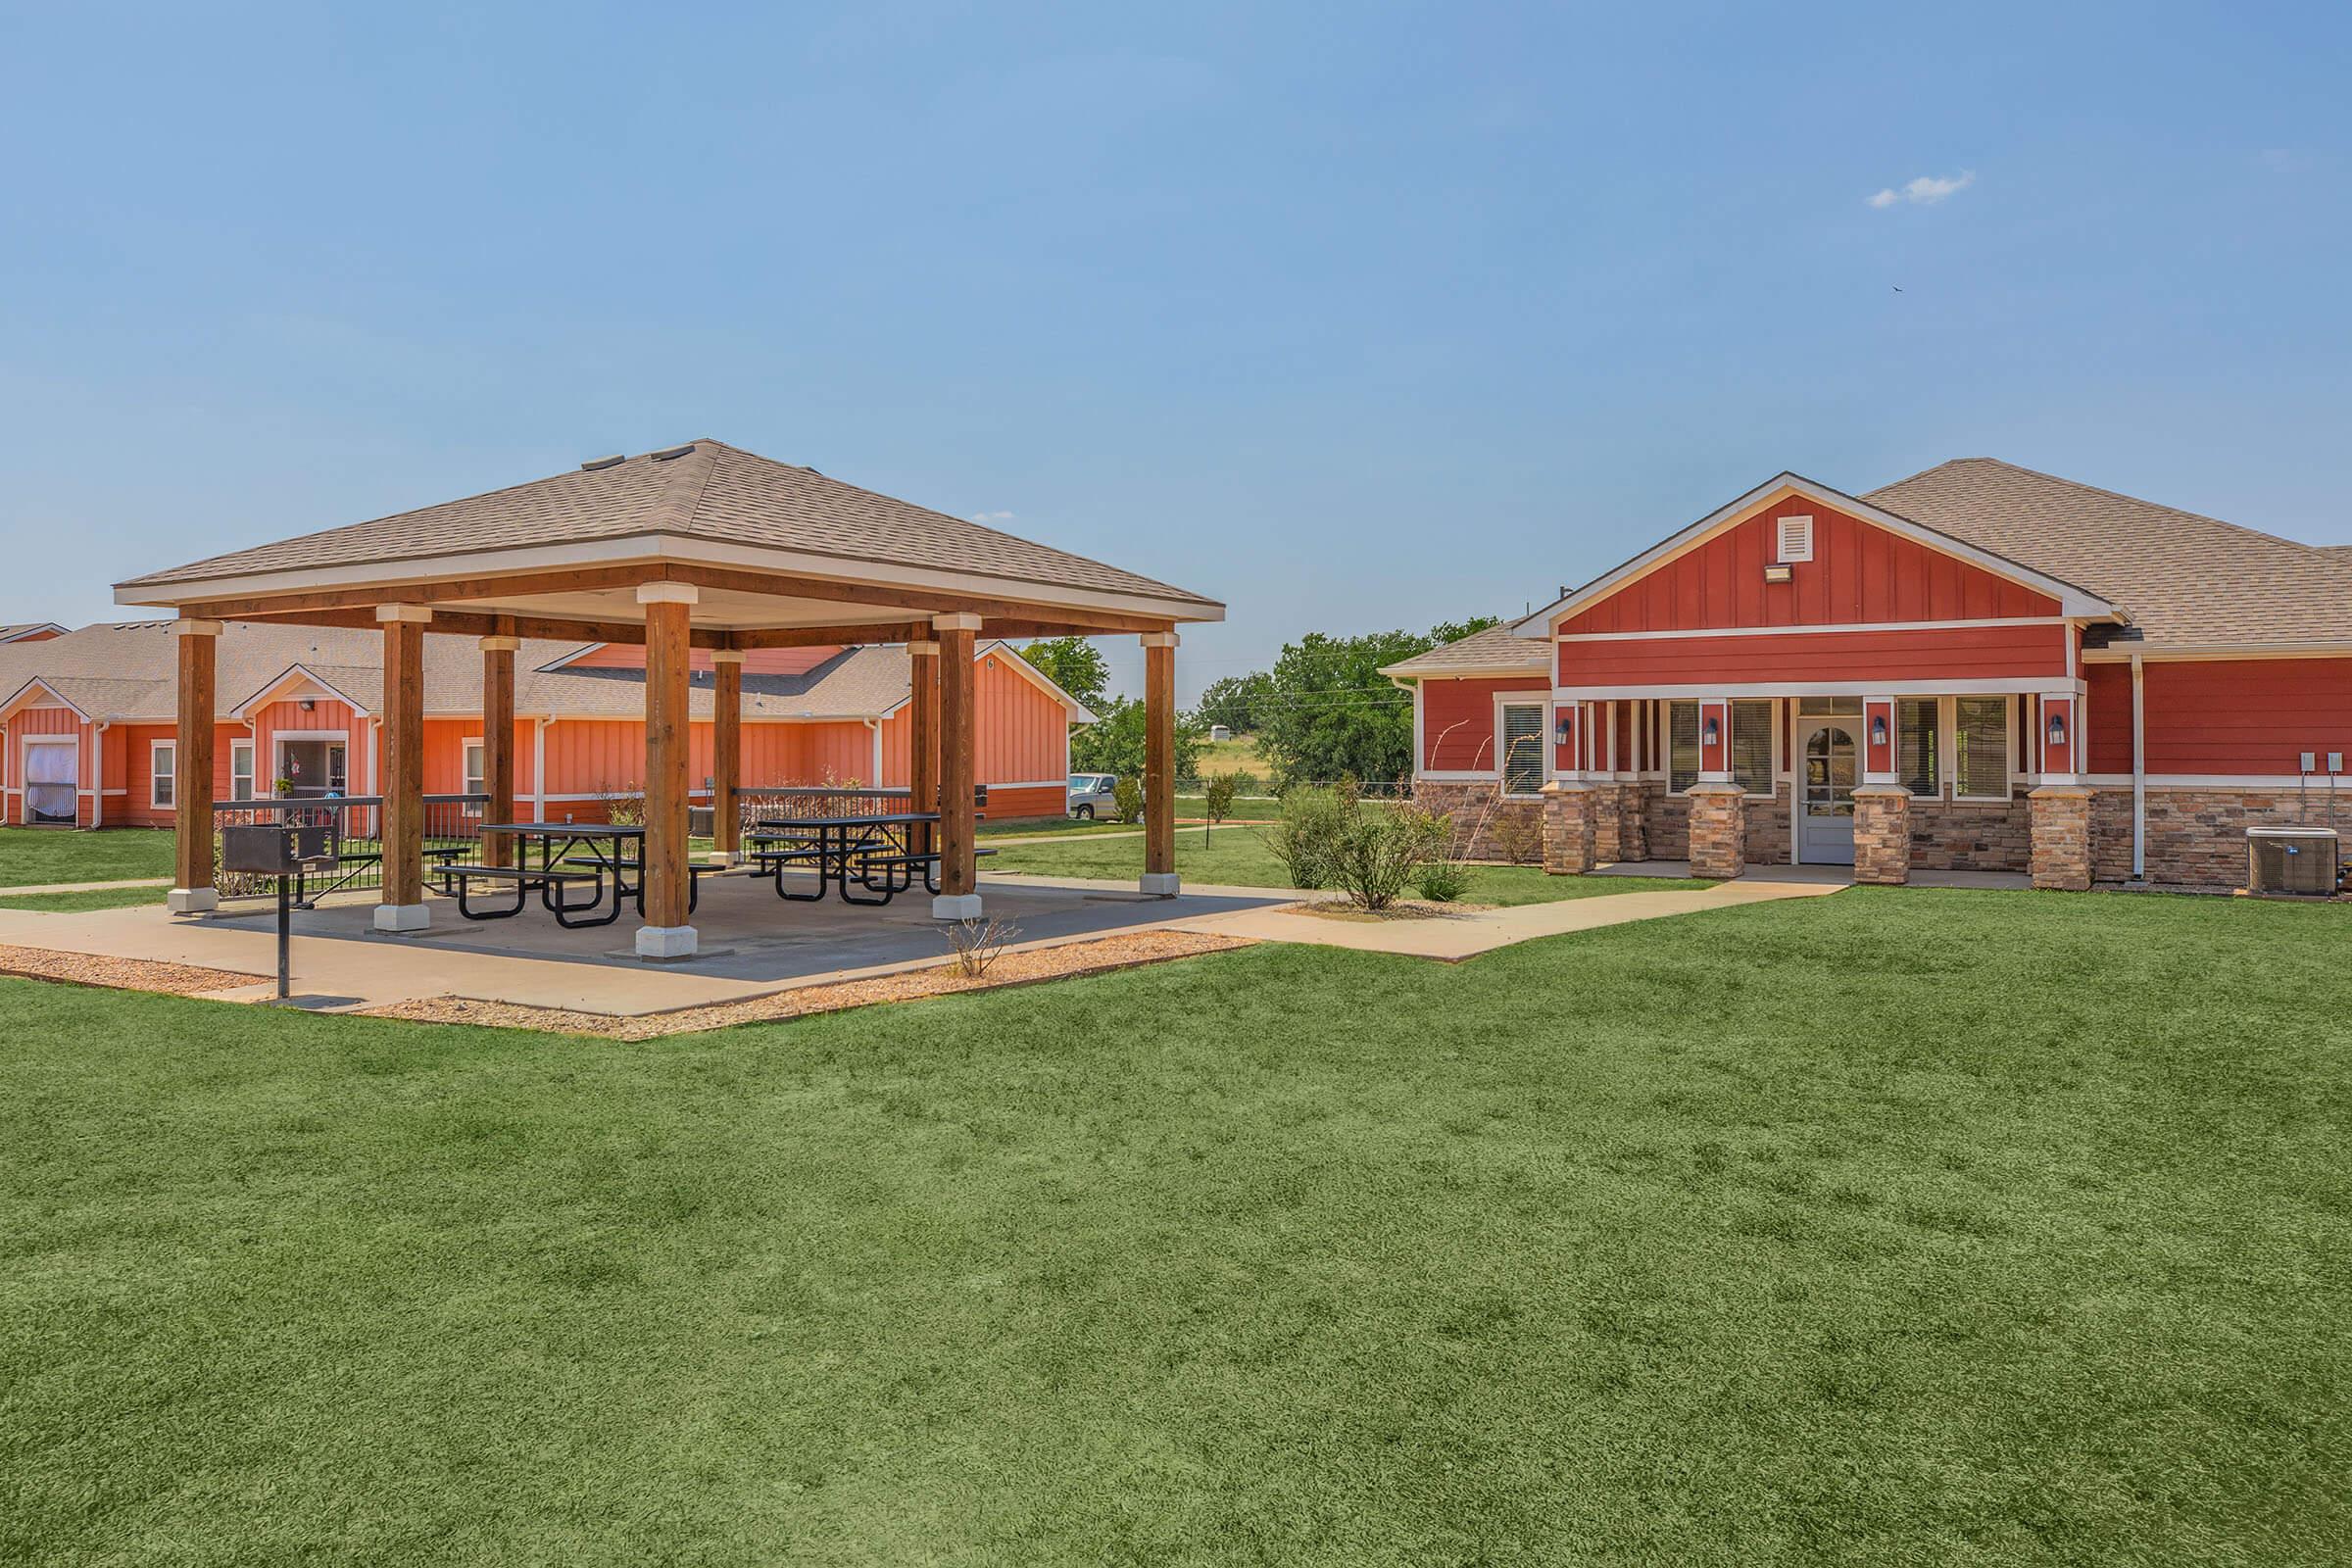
{"x":192,"y":890}
{"x":1159,"y":764}
{"x":403,"y":907}
{"x":959,"y":881}
{"x":669,"y":617}
{"x":498,"y":741}
{"x":726,"y":756}
{"x":922,"y":766}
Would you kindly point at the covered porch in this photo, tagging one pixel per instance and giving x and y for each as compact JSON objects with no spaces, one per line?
{"x":700,"y":546}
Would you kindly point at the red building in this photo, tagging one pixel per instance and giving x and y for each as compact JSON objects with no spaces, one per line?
{"x":87,"y":732}
{"x":1976,"y":667}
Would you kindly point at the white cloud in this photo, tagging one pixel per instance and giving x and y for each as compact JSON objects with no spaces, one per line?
{"x":1925,"y":191}
{"x":992,"y":516}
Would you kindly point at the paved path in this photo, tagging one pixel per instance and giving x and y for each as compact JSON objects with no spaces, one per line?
{"x":83,"y":887}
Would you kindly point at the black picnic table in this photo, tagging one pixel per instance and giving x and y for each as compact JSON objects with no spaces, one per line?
{"x":608,"y":855}
{"x":878,"y":850}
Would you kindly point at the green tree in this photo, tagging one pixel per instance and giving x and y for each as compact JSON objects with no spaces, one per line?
{"x":1234,"y":702}
{"x":1074,"y":664}
{"x":1329,"y":712}
{"x":1114,"y":742}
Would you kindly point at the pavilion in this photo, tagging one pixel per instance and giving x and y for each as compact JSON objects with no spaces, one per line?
{"x":695,"y":547}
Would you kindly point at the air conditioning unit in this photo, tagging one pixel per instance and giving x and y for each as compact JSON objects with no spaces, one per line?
{"x":2291,"y":860}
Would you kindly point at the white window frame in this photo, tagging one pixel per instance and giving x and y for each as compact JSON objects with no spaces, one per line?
{"x":277,"y":753}
{"x":471,"y":748}
{"x":1949,"y":720}
{"x":1777,"y":773}
{"x":252,"y":772}
{"x":155,"y":772}
{"x":1541,"y":702}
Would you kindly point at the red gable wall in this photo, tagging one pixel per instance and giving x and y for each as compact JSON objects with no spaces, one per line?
{"x":1859,"y":574}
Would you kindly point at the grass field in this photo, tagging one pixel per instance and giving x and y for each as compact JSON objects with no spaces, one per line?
{"x":1237,"y":755}
{"x":1239,"y":856}
{"x":1894,"y":1226}
{"x":32,"y":855}
{"x":95,"y":899}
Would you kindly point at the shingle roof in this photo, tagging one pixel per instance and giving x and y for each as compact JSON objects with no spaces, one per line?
{"x":9,"y":633}
{"x":1496,"y":650}
{"x":712,"y":492}
{"x":2181,"y":577}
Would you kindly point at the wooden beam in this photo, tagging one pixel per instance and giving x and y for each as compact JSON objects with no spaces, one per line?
{"x":1159,"y":759}
{"x":192,"y":769}
{"x":957,"y":868}
{"x":1015,"y":631}
{"x":668,"y":727}
{"x":726,"y":757}
{"x":403,"y":771}
{"x":847,"y":634}
{"x":478,"y":624}
{"x":922,"y":769}
{"x":498,"y":741}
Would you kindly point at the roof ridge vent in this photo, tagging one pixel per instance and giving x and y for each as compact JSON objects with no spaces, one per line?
{"x":594,"y":463}
{"x":669,"y":453}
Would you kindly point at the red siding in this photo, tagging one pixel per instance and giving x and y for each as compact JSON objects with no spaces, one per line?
{"x":44,"y":721}
{"x":1457,"y":721}
{"x":1021,"y":730}
{"x":1859,"y":575}
{"x":1910,"y":653}
{"x":2223,"y":716}
{"x":758,"y":662}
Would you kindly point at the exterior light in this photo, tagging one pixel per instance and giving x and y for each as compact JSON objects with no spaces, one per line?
{"x":2057,"y":728}
{"x":1878,"y":729}
{"x":1778,"y":571}
{"x":1713,"y":733}
{"x":1562,"y":730}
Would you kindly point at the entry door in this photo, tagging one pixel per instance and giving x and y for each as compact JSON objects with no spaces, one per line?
{"x":315,"y":767}
{"x":1828,"y":762}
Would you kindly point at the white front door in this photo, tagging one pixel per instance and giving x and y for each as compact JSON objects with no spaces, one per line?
{"x":1829,"y":765}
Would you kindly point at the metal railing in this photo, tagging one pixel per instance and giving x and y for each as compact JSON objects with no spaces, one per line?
{"x":453,"y":825}
{"x":801,"y":802}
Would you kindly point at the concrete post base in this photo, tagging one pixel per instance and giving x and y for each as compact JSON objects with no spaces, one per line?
{"x":955,"y":906}
{"x":192,"y":901}
{"x":660,"y":944}
{"x":402,"y":917}
{"x":1718,"y":831}
{"x":724,"y":858}
{"x":1158,"y":883}
{"x":1883,"y":835}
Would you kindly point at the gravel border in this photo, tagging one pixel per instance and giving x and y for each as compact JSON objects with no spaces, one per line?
{"x":120,"y":974}
{"x":1030,"y":967}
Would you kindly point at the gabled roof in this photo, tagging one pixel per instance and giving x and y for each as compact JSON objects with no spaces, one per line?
{"x":2185,"y":579}
{"x":2074,"y":599}
{"x":21,"y":630}
{"x":1496,"y":650}
{"x":706,"y":492}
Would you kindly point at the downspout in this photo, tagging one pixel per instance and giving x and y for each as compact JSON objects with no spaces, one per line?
{"x":98,"y":773}
{"x":875,"y":725}
{"x":2140,"y":772}
{"x":539,"y":768}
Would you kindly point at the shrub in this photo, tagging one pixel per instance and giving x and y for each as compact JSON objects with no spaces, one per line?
{"x":977,"y":944}
{"x":1127,"y":799}
{"x":1306,"y":839}
{"x":1444,"y":881}
{"x":625,"y":811}
{"x":1381,"y":853}
{"x":1518,"y":837}
{"x":1245,"y":782}
{"x":1220,"y":798}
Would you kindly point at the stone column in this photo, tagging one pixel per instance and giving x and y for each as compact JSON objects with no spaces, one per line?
{"x":1883,"y":835}
{"x":1568,"y":828}
{"x":1608,"y":822}
{"x":1633,"y":821}
{"x":1718,"y":831}
{"x":2061,"y":837}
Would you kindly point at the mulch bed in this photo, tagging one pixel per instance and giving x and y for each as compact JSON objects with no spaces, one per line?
{"x":120,"y":974}
{"x":1064,"y":963}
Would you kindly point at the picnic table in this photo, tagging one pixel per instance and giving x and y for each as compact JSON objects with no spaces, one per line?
{"x":881,"y":852}
{"x":607,"y":866}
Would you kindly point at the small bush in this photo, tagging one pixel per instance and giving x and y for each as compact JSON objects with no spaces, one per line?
{"x":1381,"y":853}
{"x":1306,"y":839}
{"x":1518,"y":837}
{"x":1127,"y":800}
{"x":625,"y":811}
{"x":977,"y":944}
{"x":1444,"y":881}
{"x":1220,"y":798}
{"x":1245,"y":782}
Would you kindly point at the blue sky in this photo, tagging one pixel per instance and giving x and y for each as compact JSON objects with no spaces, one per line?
{"x":1353,"y":316}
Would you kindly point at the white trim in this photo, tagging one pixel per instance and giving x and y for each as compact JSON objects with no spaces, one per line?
{"x":413,"y":614}
{"x":58,"y":699}
{"x":2073,"y":601}
{"x":466,"y":744}
{"x":1997,"y":686}
{"x":1838,"y":629}
{"x":157,"y":744}
{"x":2139,"y":771}
{"x":668,"y":593}
{"x":1951,"y":724}
{"x":655,"y":549}
{"x":2120,"y":653}
{"x":539,"y":768}
{"x":252,"y":773}
{"x":1400,"y":675}
{"x":2268,"y":782}
{"x":1457,"y":775}
{"x":1546,"y":718}
{"x":267,"y":692}
{"x":1783,"y":536}
{"x":277,"y":753}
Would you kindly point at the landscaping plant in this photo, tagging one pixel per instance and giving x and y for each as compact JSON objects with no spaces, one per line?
{"x":1127,"y":799}
{"x":1306,"y":839}
{"x":1377,"y":854}
{"x":1219,"y":803}
{"x":977,"y":944}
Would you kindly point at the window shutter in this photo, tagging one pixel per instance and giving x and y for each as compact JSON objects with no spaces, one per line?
{"x":1796,"y":539}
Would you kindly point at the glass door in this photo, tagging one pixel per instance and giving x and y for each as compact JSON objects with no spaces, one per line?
{"x":1829,"y":766}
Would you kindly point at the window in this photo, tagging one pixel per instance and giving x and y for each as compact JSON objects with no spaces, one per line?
{"x":477,"y":770}
{"x":1980,"y":748}
{"x":1796,"y":539}
{"x":1752,"y":745}
{"x":1682,"y":746}
{"x":240,"y":771}
{"x":1521,"y":748}
{"x":1918,"y":759}
{"x":162,"y":774}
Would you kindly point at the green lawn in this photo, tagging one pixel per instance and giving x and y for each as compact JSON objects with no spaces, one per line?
{"x":32,"y":855}
{"x":1239,"y":856}
{"x":1948,"y":1228}
{"x":97,"y":899}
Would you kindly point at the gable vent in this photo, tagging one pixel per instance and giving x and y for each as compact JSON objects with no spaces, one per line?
{"x":1796,"y":539}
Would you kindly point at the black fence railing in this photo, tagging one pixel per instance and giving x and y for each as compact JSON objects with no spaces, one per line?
{"x":453,"y":824}
{"x":800,"y":802}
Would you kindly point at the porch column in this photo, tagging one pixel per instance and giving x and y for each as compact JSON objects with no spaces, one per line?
{"x":192,"y":890}
{"x":2061,"y":805}
{"x":498,"y":741}
{"x":1718,"y":804}
{"x":1881,"y":805}
{"x":1570,"y":829}
{"x":403,"y":814}
{"x":726,"y":756}
{"x":922,"y":737}
{"x":663,"y":874}
{"x":959,"y":896}
{"x":1159,"y":765}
